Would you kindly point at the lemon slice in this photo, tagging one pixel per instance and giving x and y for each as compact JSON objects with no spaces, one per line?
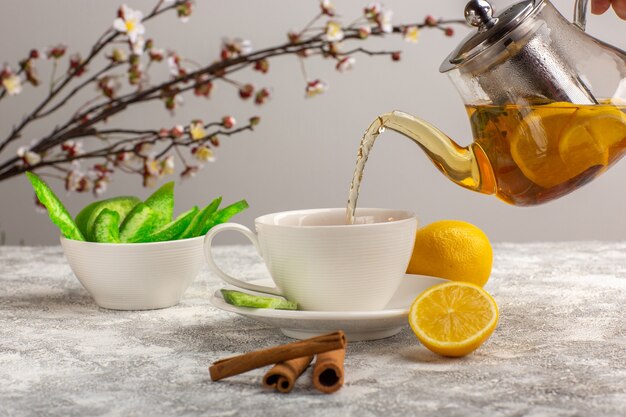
{"x":535,"y":144}
{"x":588,"y":140}
{"x":559,"y":141}
{"x":453,"y":319}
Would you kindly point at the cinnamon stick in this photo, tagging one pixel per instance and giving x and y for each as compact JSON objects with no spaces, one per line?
{"x":283,"y":375}
{"x":328,"y":371}
{"x":252,"y":360}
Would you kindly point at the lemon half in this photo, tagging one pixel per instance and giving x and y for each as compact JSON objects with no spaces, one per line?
{"x":453,"y":319}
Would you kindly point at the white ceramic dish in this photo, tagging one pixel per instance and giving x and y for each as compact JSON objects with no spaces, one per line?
{"x":135,"y":276}
{"x":358,"y":325}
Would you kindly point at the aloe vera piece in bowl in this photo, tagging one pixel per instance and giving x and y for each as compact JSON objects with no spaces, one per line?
{"x":56,"y":210}
{"x":106,"y":228}
{"x":241,"y":299}
{"x":86,"y":218}
{"x":195,"y":227}
{"x":162,"y":202}
{"x":173,"y":229}
{"x":139,"y":224}
{"x":223,"y":215}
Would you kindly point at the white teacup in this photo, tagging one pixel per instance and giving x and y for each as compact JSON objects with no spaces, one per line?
{"x":323,"y":264}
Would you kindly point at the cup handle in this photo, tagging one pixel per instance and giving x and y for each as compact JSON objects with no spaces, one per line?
{"x":208,"y":255}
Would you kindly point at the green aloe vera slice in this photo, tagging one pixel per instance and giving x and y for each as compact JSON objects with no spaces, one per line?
{"x":162,"y":202}
{"x":106,"y":228}
{"x":86,"y":219}
{"x":139,"y":224}
{"x":241,"y":299}
{"x":195,"y":227}
{"x":56,"y":210}
{"x":173,"y":229}
{"x":223,"y":215}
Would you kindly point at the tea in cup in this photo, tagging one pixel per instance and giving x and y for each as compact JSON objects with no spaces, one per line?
{"x":324,"y":264}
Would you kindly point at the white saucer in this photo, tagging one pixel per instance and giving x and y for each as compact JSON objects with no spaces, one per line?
{"x":358,"y":325}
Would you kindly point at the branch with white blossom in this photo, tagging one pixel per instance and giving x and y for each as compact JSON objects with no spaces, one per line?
{"x":148,"y":151}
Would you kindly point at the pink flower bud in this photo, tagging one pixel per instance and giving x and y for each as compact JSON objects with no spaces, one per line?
{"x":76,"y":65}
{"x":315,"y":87}
{"x":156,"y":54}
{"x":262,"y":65}
{"x":262,"y":96}
{"x":83,"y":184}
{"x":184,"y":11}
{"x":123,"y":157}
{"x":430,"y":21}
{"x":56,"y":52}
{"x":327,"y":8}
{"x":345,"y":64}
{"x":189,"y":171}
{"x":304,"y":52}
{"x":364,"y":31}
{"x":228,"y":122}
{"x":246,"y":91}
{"x":203,"y":86}
{"x":293,"y":37}
{"x":177,"y":131}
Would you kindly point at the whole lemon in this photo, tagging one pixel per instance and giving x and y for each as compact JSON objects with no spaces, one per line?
{"x":454,"y":250}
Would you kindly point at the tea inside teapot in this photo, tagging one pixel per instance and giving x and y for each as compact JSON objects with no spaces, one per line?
{"x":539,"y":152}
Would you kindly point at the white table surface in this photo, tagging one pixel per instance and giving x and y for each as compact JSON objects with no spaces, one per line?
{"x":559,"y":348}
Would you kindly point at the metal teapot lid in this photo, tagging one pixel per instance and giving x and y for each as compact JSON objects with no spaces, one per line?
{"x":479,"y":13}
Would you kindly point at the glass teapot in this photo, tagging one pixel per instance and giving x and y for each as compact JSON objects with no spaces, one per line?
{"x":546,"y":102}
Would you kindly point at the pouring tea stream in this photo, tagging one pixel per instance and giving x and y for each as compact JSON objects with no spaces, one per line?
{"x":546,"y":103}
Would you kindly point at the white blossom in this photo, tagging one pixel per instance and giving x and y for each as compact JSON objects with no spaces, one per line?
{"x":12,"y":84}
{"x":411,"y":34}
{"x":29,"y":157}
{"x":130,"y":23}
{"x":334,"y":33}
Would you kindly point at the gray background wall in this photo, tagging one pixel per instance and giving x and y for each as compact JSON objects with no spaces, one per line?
{"x":303,"y":153}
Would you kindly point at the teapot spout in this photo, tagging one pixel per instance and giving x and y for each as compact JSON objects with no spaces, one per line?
{"x":468,"y":166}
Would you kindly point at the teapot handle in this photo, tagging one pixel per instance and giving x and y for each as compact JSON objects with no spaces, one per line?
{"x":580,"y":13}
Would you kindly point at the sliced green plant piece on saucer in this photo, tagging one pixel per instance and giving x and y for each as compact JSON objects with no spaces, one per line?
{"x":56,"y":210}
{"x":86,"y":218}
{"x":106,"y":228}
{"x":241,"y":299}
{"x":173,"y":229}
{"x":224,"y":215}
{"x":139,"y":224}
{"x":195,"y":227}
{"x":162,"y":202}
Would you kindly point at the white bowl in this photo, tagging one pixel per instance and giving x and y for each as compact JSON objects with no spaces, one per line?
{"x":135,"y":276}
